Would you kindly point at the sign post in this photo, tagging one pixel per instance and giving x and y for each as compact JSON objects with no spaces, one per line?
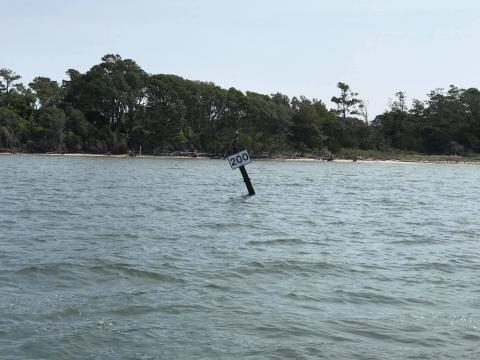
{"x":239,"y":160}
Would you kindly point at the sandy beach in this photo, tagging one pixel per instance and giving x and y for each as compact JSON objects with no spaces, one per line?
{"x":421,"y":160}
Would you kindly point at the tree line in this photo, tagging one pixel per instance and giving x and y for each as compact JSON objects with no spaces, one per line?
{"x":116,"y":107}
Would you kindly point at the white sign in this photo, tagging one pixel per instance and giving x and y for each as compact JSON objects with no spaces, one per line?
{"x":239,"y":159}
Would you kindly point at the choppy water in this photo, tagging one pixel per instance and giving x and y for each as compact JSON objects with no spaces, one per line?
{"x":107,"y":258}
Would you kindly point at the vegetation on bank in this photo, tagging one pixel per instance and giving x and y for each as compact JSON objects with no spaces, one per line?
{"x":116,"y":107}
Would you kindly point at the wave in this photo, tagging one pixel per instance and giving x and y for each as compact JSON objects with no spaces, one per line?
{"x":91,"y":273}
{"x":291,"y":241}
{"x":287,"y":267}
{"x":124,"y":270}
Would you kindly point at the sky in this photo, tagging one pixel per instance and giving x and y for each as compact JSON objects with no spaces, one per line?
{"x":301,"y":47}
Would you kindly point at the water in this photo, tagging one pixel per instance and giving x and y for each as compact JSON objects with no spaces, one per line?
{"x":116,"y":258}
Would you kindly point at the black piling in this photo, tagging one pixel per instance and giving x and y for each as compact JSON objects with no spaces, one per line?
{"x":246,"y":180}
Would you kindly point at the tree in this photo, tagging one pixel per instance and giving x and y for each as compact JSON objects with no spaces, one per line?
{"x":312,"y":124}
{"x":116,"y":106}
{"x":400,"y":104}
{"x":12,"y":127}
{"x":305,"y":130}
{"x":347,"y":103}
{"x":399,"y":128}
{"x":268,"y":119}
{"x":49,"y":129}
{"x":112,"y":93}
{"x":8,"y":77}
{"x":47,"y":92}
{"x":363,"y":110}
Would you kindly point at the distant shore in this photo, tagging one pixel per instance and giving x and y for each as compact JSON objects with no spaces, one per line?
{"x":407,"y":159}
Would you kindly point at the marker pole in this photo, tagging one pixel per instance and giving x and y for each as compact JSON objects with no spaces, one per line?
{"x":246,"y":180}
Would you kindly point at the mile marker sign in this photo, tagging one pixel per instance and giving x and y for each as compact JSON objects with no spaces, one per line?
{"x":239,"y":159}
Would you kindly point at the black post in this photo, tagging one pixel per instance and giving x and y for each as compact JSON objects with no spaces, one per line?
{"x":247,"y":181}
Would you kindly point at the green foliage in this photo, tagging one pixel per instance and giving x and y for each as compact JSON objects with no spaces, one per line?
{"x":109,"y":92}
{"x":115,"y":107}
{"x":48,"y":129}
{"x":347,"y":103}
{"x":47,"y":92}
{"x":7,"y":79}
{"x":11,"y":129}
{"x":447,"y":123}
{"x":306,"y":125}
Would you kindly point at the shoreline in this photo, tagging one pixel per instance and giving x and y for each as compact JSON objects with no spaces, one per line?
{"x":417,"y":159}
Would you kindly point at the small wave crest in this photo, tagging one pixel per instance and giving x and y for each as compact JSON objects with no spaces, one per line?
{"x":290,"y":241}
{"x":123,"y":270}
{"x":287,"y":267}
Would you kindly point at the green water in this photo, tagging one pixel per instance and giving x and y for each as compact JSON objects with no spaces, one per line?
{"x":113,"y":258}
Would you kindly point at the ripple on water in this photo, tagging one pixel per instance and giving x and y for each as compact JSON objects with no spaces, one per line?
{"x":290,"y":241}
{"x":126,"y":271}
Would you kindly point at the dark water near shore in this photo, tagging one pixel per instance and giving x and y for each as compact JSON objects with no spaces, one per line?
{"x":111,"y":258}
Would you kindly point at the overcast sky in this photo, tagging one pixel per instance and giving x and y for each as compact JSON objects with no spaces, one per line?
{"x":301,"y":47}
